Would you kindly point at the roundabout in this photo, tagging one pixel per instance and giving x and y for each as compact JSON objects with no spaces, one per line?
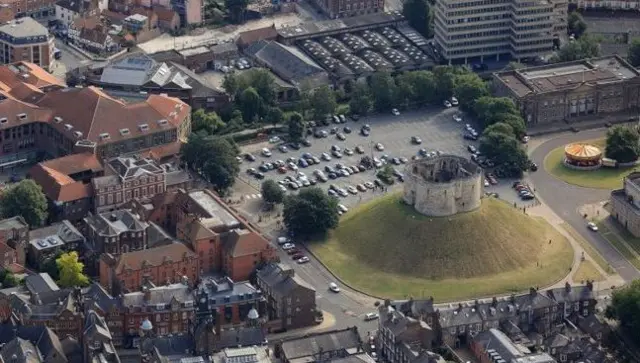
{"x":385,"y":248}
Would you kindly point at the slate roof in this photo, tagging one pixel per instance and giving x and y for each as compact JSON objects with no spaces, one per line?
{"x":287,"y":62}
{"x":140,"y":70}
{"x":101,"y":299}
{"x":130,"y":167}
{"x":161,"y":295}
{"x":116,"y":222}
{"x":30,"y":344}
{"x":245,"y":336}
{"x":572,"y":294}
{"x":337,"y":340}
{"x":226,"y":291}
{"x":41,"y":283}
{"x":282,"y":279}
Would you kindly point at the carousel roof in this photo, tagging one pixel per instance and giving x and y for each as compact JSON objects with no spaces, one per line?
{"x":582,"y":151}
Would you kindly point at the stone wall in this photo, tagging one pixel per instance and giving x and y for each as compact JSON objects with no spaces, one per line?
{"x":443,"y":186}
{"x":625,"y":212}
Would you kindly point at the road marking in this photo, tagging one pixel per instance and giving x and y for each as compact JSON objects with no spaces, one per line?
{"x":253,"y":196}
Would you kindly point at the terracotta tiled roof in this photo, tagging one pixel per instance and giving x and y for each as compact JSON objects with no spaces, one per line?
{"x":165,"y":14}
{"x":153,"y":256}
{"x":102,"y":114}
{"x":24,"y":72}
{"x":160,"y":152}
{"x":53,"y":177}
{"x":251,"y":36}
{"x":74,"y":163}
{"x":26,"y":92}
{"x":241,"y":242}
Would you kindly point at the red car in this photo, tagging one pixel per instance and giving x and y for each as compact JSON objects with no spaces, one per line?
{"x":293,"y":251}
{"x":297,"y":256}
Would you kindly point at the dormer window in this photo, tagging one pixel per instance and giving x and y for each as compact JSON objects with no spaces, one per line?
{"x":162,"y":122}
{"x":77,"y":134}
{"x":3,"y":120}
{"x":105,"y":136}
{"x":124,"y":132}
{"x":68,"y":127}
{"x":22,"y":116}
{"x":143,"y":127}
{"x":57,"y":119}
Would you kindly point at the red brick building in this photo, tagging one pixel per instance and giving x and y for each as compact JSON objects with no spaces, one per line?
{"x":160,"y":265}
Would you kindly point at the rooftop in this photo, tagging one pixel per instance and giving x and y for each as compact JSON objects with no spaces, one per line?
{"x":216,"y":214}
{"x":346,"y":340}
{"x":565,"y":76}
{"x":25,"y":27}
{"x":153,"y":257}
{"x":225,"y":290}
{"x":54,"y":236}
{"x":318,"y":27}
{"x":13,"y":223}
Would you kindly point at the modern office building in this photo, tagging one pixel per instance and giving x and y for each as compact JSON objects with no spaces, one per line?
{"x":26,"y":40}
{"x":480,"y":30}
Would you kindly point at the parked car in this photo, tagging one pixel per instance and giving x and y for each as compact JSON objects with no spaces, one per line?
{"x":288,"y":246}
{"x":249,"y":157}
{"x":265,"y":152}
{"x":359,"y":149}
{"x":282,"y":240}
{"x":379,"y":147}
{"x":395,"y":112}
{"x":334,"y":287}
{"x":457,"y":118}
{"x":454,"y":101}
{"x":447,"y":104}
{"x":371,"y":316}
{"x":416,"y":140}
{"x":342,"y":208}
{"x":303,"y":259}
{"x":592,"y":226}
{"x":340,"y":136}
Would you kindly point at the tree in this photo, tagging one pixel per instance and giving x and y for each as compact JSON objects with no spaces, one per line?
{"x":622,"y":144}
{"x":311,"y":212}
{"x":323,"y":101}
{"x":274,"y":116}
{"x":445,"y":81}
{"x":296,"y":127}
{"x":468,"y":88}
{"x":264,"y":84}
{"x":634,"y":53}
{"x":418,"y":14}
{"x":425,"y":82}
{"x":383,"y":90}
{"x":405,"y":91}
{"x":585,"y":47}
{"x":208,"y":122}
{"x":250,"y":104}
{"x":231,"y":84}
{"x":214,"y":158}
{"x":576,"y":24}
{"x":24,"y":199}
{"x":236,"y":9}
{"x":515,"y":121}
{"x":625,"y":309}
{"x":70,"y":268}
{"x":500,"y":127}
{"x":9,"y":280}
{"x":505,"y":151}
{"x":360,"y":102}
{"x":51,"y":267}
{"x":271,"y":192}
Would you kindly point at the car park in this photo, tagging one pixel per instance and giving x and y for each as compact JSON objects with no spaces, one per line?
{"x":258,"y":175}
{"x":348,"y":151}
{"x":340,"y":136}
{"x":369,"y":185}
{"x":283,"y":149}
{"x":294,"y":146}
{"x":325,"y":157}
{"x":364,"y":132}
{"x":361,"y":188}
{"x":359,"y":149}
{"x":347,"y":130}
{"x":306,"y":142}
{"x":333,"y":131}
{"x":342,"y":192}
{"x":336,"y":154}
{"x":249,"y":157}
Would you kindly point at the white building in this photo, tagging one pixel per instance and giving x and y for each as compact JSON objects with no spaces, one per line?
{"x":607,"y":4}
{"x":470,"y":31}
{"x":69,"y":10}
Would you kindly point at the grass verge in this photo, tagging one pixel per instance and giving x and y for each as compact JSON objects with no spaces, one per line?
{"x":588,"y":248}
{"x":587,"y":271}
{"x":386,"y":249}
{"x":603,"y":178}
{"x":618,"y":244}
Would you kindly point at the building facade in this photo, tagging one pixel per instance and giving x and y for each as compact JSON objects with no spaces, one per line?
{"x":606,"y":4}
{"x":14,"y":232}
{"x":25,"y":40}
{"x":625,"y":204}
{"x":572,"y":91}
{"x":335,"y":9}
{"x":473,"y":31}
{"x":37,"y":9}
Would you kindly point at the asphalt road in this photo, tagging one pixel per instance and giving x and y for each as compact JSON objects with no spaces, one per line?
{"x":435,"y":127}
{"x":565,"y":199}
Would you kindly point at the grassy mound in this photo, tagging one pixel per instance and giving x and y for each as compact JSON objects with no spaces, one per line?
{"x":387,"y":249}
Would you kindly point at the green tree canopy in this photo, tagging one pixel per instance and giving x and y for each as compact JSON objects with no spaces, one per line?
{"x":271,"y":192}
{"x":425,"y":85}
{"x":499,"y":127}
{"x":311,"y":212}
{"x":207,"y":122}
{"x":214,"y":158}
{"x":250,"y":104}
{"x":264,"y":84}
{"x":274,"y":116}
{"x":622,"y":144}
{"x":625,"y":308}
{"x":360,"y":102}
{"x":296,"y":127}
{"x":445,"y":78}
{"x":468,"y":88}
{"x":418,"y":13}
{"x":585,"y":47}
{"x":24,"y":199}
{"x":71,"y":270}
{"x":383,"y":90}
{"x":634,"y":53}
{"x":576,"y":24}
{"x":231,"y":84}
{"x":506,"y":152}
{"x":490,"y":110}
{"x":323,"y":102}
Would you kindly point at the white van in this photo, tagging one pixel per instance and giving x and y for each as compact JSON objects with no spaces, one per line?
{"x":342,"y":208}
{"x":282,"y":240}
{"x":333,"y":287}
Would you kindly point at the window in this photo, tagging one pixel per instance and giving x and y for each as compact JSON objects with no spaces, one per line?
{"x":101,"y":200}
{"x":158,"y":318}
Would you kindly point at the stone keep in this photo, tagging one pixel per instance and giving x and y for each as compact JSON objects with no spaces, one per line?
{"x":443,"y":186}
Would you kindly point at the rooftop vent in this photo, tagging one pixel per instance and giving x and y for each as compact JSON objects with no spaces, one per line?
{"x":105,"y":136}
{"x":68,"y":127}
{"x":77,"y":134}
{"x":143,"y":127}
{"x":124,"y":132}
{"x":21,"y":116}
{"x":57,"y":119}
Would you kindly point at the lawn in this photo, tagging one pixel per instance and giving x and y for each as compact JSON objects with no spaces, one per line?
{"x":615,"y":240}
{"x":386,"y":249}
{"x":603,"y":178}
{"x":592,"y":252}
{"x":587,"y":271}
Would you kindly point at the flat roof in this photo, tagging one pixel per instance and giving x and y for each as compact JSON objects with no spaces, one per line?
{"x":311,"y":28}
{"x":24,"y":27}
{"x":218,"y":215}
{"x":194,"y":51}
{"x":563,"y":76}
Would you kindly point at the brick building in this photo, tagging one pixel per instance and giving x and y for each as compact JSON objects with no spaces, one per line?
{"x":572,"y":91}
{"x":227,"y":303}
{"x":625,"y":204}
{"x":66,"y":182}
{"x":26,"y":40}
{"x":164,"y":264}
{"x":14,"y":232}
{"x":220,"y":237}
{"x":47,"y":242}
{"x":36,"y":9}
{"x":39,"y":118}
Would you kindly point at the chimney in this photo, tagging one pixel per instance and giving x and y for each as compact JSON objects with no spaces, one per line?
{"x":494,"y":302}
{"x":147,"y":293}
{"x":532,"y":292}
{"x":567,"y":287}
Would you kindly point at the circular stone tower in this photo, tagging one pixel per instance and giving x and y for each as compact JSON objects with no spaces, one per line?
{"x":443,"y":186}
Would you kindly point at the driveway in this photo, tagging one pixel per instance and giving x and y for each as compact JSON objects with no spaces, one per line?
{"x":565,"y":199}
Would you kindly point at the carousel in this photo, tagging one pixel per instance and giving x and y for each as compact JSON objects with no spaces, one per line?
{"x":582,"y":156}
